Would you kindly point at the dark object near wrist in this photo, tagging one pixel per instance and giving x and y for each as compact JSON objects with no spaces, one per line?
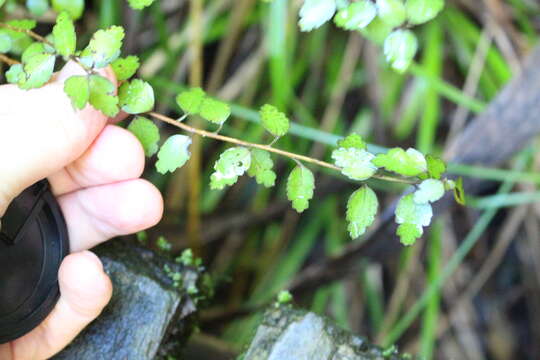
{"x":33,"y":243}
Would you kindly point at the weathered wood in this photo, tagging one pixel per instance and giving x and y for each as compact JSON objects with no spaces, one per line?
{"x":507,"y":125}
{"x":288,"y":333}
{"x":145,"y":313}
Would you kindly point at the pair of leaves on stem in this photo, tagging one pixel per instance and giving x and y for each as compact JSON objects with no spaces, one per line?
{"x":174,"y":152}
{"x":413,"y":212}
{"x":236,"y":161}
{"x":358,"y":164}
{"x":134,"y":97}
{"x":196,"y":102}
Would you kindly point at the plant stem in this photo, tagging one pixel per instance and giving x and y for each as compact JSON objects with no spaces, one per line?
{"x":204,"y":133}
{"x":8,"y":60}
{"x":268,"y":148}
{"x":27,"y":32}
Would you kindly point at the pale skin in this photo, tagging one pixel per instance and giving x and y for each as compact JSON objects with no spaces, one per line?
{"x":94,"y":168}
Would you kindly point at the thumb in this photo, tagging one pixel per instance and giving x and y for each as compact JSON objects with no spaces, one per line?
{"x":41,"y":132}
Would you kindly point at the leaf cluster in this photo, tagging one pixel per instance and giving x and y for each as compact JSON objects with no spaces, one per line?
{"x":386,"y":22}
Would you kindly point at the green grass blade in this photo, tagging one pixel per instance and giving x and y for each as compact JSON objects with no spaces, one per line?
{"x":504,"y":200}
{"x":432,"y":63}
{"x":448,"y":91}
{"x":430,"y":319}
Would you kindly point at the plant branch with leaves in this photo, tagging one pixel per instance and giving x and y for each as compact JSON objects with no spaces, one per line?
{"x":136,"y":97}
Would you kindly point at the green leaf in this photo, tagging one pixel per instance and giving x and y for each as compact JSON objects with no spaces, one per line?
{"x":400,"y":47}
{"x":23,"y":24}
{"x":284,"y":297}
{"x":78,"y":90}
{"x":435,"y":167}
{"x":102,"y":95}
{"x":356,"y":16}
{"x":300,"y":186}
{"x":74,"y":8}
{"x":37,"y":7}
{"x":5,"y":42}
{"x":412,"y":217}
{"x":459,"y":192}
{"x":190,"y":101}
{"x":421,"y":11}
{"x":355,"y":163}
{"x":140,"y":4}
{"x":32,"y":50}
{"x":392,"y":12}
{"x":406,"y":163}
{"x":38,"y":71}
{"x":174,"y":153}
{"x":232,"y":163}
{"x":409,"y":212}
{"x":2,"y":2}
{"x":38,"y":67}
{"x":352,"y":141}
{"x":314,"y":13}
{"x":136,"y":97}
{"x":408,"y":233}
{"x":429,"y":190}
{"x":65,"y":39}
{"x":15,"y":74}
{"x":261,"y":168}
{"x":361,"y":210}
{"x":274,"y":121}
{"x":124,"y":68}
{"x":104,"y":47}
{"x":147,"y":132}
{"x":215,"y":111}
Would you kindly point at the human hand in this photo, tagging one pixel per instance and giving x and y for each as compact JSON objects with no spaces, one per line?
{"x":93,"y":168}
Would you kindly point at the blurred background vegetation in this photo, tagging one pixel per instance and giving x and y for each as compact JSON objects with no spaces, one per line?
{"x":468,"y":290}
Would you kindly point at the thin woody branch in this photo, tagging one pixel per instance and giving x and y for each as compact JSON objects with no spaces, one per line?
{"x":268,"y":148}
{"x":204,"y":133}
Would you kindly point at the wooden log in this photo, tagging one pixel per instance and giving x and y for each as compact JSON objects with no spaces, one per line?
{"x":507,"y":125}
